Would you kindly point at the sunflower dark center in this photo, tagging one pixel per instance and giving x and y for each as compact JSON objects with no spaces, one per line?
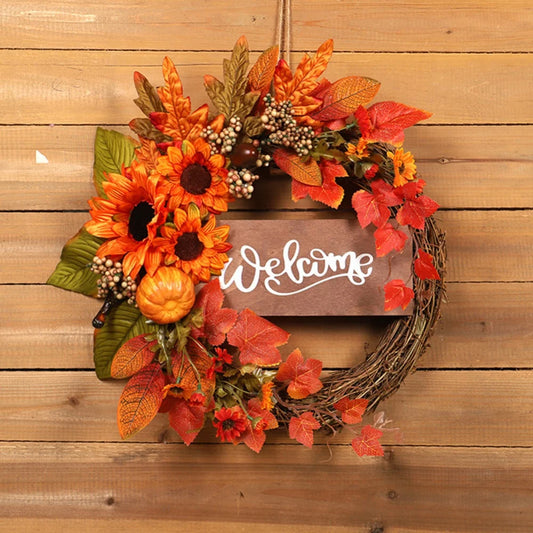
{"x":140,"y":217}
{"x":188,"y":247}
{"x":228,"y":424}
{"x":196,"y":179}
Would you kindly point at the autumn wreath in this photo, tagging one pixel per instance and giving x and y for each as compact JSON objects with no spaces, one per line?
{"x":153,"y":237}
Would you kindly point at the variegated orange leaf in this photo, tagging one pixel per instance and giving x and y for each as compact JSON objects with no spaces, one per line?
{"x":261,"y":74}
{"x":307,"y":173}
{"x":140,"y":400}
{"x":132,"y":356}
{"x":344,"y":96}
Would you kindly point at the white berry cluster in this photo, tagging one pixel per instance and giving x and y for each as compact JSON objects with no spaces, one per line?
{"x":278,"y":119}
{"x":240,"y":183}
{"x":223,"y":142}
{"x":112,"y":279}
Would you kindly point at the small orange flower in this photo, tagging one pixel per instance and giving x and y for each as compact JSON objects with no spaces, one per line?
{"x":197,"y":249}
{"x":266,"y":396}
{"x":167,"y":296}
{"x":129,"y":218}
{"x":195,"y":176}
{"x":360,"y":150}
{"x":404,"y":167}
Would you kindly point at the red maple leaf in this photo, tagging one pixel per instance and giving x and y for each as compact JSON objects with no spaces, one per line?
{"x":329,"y":192}
{"x":389,"y":238}
{"x":424,"y":267}
{"x":396,"y":294}
{"x":301,"y":428}
{"x":351,"y":410}
{"x":257,"y":339}
{"x":414,"y":212}
{"x":415,"y":209}
{"x":217,"y":321}
{"x":186,"y":419}
{"x":368,"y":442}
{"x":374,"y":207}
{"x":386,"y":121}
{"x":303,"y":376}
{"x":363,"y":121}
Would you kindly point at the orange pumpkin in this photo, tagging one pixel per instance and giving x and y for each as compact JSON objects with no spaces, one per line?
{"x":167,"y":296}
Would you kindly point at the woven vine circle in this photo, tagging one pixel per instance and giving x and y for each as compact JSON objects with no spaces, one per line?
{"x":395,"y":357}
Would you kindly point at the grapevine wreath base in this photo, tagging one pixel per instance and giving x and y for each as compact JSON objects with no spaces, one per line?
{"x":153,"y":240}
{"x":396,"y":354}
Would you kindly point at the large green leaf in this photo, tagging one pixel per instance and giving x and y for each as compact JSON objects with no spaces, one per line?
{"x":122,"y":324}
{"x":72,"y":272}
{"x":111,"y":150}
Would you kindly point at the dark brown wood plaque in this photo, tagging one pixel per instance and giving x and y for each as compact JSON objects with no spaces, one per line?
{"x":310,"y":268}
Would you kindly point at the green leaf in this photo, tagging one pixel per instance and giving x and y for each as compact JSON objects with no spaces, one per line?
{"x":72,"y":272}
{"x":230,"y":98}
{"x":253,"y":126}
{"x":143,"y":127}
{"x":111,"y":150}
{"x":148,"y":100}
{"x":122,"y":324}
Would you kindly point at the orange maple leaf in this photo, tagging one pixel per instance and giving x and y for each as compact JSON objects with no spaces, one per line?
{"x":301,"y":428}
{"x":351,"y":410}
{"x":368,"y":442}
{"x":257,"y":339}
{"x":389,"y":238}
{"x":304,"y":376}
{"x":186,"y":419}
{"x":329,"y":192}
{"x":217,"y":321}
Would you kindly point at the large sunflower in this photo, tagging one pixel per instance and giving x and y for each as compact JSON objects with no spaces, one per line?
{"x":129,"y":218}
{"x":195,"y":176}
{"x":199,"y":250}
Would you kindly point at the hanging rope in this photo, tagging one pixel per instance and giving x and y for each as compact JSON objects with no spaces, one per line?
{"x":284,"y":30}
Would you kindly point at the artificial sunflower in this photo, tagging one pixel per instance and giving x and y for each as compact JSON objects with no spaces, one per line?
{"x":197,"y":249}
{"x":129,"y":218}
{"x":404,"y":166}
{"x":195,"y":176}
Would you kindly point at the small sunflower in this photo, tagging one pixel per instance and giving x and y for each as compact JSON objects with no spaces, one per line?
{"x":195,"y":176}
{"x":404,"y":166}
{"x":196,"y":248}
{"x":129,"y":218}
{"x":359,"y":150}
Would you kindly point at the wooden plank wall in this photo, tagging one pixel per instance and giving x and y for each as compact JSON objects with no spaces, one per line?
{"x":465,"y":462}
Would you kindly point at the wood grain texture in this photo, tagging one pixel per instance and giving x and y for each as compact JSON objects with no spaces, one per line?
{"x":483,"y":408}
{"x":482,"y":245}
{"x":466,"y":461}
{"x":412,"y":490}
{"x":484,"y":325}
{"x":437,"y":25}
{"x":80,"y":87}
{"x":463,"y":165}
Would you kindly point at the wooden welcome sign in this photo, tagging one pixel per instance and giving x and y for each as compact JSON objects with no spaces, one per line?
{"x":309,"y":268}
